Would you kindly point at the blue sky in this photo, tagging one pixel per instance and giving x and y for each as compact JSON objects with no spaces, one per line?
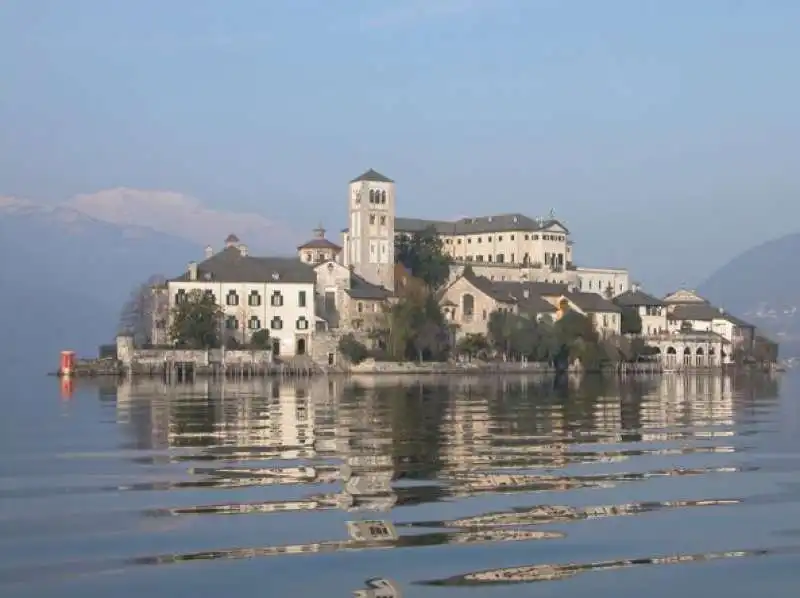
{"x":665,"y":133}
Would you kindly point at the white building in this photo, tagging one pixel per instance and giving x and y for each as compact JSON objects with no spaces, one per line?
{"x":503,"y":247}
{"x":651,"y":310}
{"x":254,"y":293}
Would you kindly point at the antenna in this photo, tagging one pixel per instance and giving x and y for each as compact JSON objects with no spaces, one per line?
{"x":552,"y":214}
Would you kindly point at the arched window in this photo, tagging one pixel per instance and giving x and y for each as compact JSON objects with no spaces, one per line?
{"x":232,"y":298}
{"x":468,"y":305}
{"x":254,"y":299}
{"x":372,"y":196}
{"x":383,"y":196}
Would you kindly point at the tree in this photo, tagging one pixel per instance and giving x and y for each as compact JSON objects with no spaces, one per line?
{"x":631,"y":321}
{"x":609,"y":292}
{"x":139,"y":312}
{"x":472,"y":345}
{"x":423,"y":254}
{"x":260,"y":339}
{"x":417,"y":328}
{"x":519,"y":336}
{"x":352,"y":349}
{"x":196,"y":321}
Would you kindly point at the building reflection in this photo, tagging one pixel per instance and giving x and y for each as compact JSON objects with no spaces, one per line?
{"x":370,"y":444}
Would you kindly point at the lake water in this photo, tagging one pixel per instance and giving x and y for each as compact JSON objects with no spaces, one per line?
{"x":488,"y":487}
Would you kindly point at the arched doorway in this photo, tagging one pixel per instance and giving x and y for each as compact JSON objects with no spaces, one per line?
{"x":699,"y":357}
{"x":300,"y":347}
{"x":276,"y":347}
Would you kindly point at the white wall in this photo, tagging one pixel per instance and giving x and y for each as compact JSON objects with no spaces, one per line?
{"x":289,"y":313}
{"x":596,"y":280}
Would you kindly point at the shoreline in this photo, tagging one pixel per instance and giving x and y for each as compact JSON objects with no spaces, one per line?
{"x":108,"y":368}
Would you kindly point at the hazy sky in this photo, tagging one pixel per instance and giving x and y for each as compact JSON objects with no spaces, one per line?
{"x":665,"y":133}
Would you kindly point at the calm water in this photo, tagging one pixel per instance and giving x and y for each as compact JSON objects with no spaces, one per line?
{"x":460,"y":487}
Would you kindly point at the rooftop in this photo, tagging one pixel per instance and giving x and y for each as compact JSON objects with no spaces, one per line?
{"x":229,"y":265}
{"x":373,"y":176}
{"x":637,"y":298}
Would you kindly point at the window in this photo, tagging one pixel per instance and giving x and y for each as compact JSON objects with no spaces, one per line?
{"x":372,"y":196}
{"x":500,"y":238}
{"x":383,"y":196}
{"x":181,"y":297}
{"x":232,"y":298}
{"x":231,"y":323}
{"x":527,"y":237}
{"x":372,"y":218}
{"x":309,"y":257}
{"x":535,"y":237}
{"x":383,"y":220}
{"x":479,"y":239}
{"x":469,"y":240}
{"x":276,"y":323}
{"x":360,"y":307}
{"x":302,"y":323}
{"x":301,"y":298}
{"x":210,"y":295}
{"x":254,"y":323}
{"x":277,"y":299}
{"x":512,"y":237}
{"x":484,"y":314}
{"x":500,"y":258}
{"x":254,"y":299}
{"x":489,"y":239}
{"x":512,"y":258}
{"x":489,"y":258}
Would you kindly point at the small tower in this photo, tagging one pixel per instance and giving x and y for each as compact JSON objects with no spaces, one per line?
{"x":318,"y":249}
{"x":370,"y":237}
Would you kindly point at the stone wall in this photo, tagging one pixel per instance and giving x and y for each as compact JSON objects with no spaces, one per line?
{"x":370,"y":366}
{"x":129,"y":356}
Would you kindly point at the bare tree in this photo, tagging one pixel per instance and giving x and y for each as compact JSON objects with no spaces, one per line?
{"x":140,"y":311}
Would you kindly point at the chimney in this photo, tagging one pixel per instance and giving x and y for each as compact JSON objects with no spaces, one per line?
{"x":192,"y":270}
{"x":209,"y":251}
{"x":243,"y":250}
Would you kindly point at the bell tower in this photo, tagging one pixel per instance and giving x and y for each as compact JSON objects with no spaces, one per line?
{"x":370,"y":243}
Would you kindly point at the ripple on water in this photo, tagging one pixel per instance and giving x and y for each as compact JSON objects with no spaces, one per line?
{"x":490,"y":481}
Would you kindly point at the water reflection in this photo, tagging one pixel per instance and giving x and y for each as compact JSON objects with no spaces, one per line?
{"x":393,"y":463}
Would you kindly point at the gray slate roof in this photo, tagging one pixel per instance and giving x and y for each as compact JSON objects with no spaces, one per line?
{"x":479,"y":225}
{"x":526,"y":295}
{"x":374,"y":176}
{"x":704,"y":312}
{"x":361,"y":289}
{"x":592,"y":302}
{"x":229,"y":265}
{"x":318,"y":243}
{"x":636,"y":298}
{"x":474,"y":226}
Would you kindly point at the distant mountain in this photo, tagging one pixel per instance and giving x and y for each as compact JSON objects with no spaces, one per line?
{"x":67,"y":269}
{"x":64,"y":277}
{"x":185,"y":217}
{"x":762,"y":285}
